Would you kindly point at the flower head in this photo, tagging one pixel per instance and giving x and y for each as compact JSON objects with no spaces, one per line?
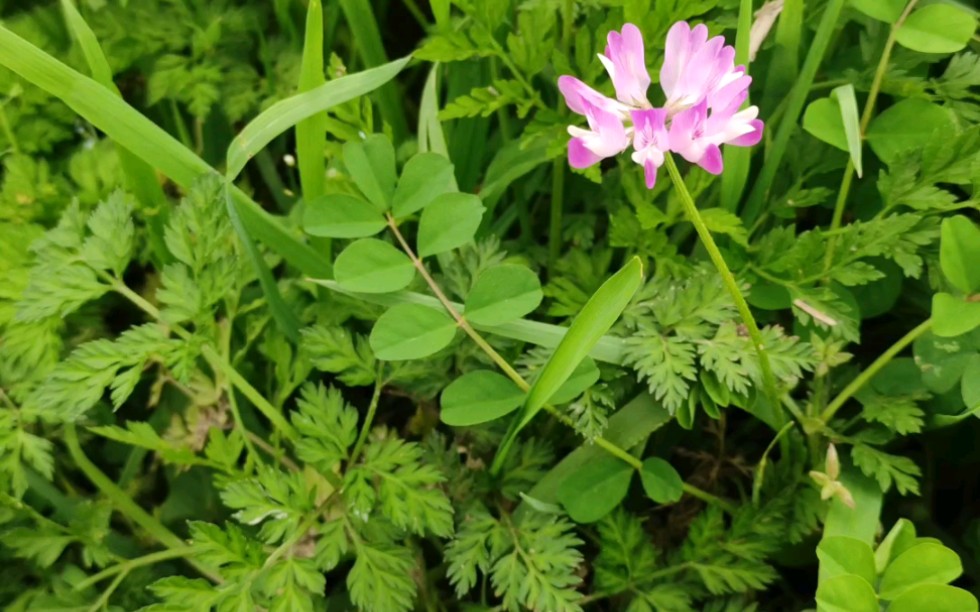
{"x":704,"y":91}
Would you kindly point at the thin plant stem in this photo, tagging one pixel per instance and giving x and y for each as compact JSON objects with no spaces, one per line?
{"x":511,"y":373}
{"x":866,"y":115}
{"x":368,"y":419}
{"x":694,"y":215}
{"x":862,"y":379}
{"x":130,"y":564}
{"x":302,"y":530}
{"x":103,"y":599}
{"x":126,"y":506}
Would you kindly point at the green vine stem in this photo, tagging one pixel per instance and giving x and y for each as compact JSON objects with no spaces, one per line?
{"x":125,"y":505}
{"x":866,"y":114}
{"x":515,"y":376}
{"x":768,"y":378}
{"x":862,"y":379}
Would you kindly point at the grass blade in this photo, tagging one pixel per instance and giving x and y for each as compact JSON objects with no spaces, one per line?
{"x":430,"y":134}
{"x":311,"y":134}
{"x":794,"y":106}
{"x":847,"y":101}
{"x":592,"y":322}
{"x":367,"y":39}
{"x":139,"y":176}
{"x":287,"y":113}
{"x":138,"y":134}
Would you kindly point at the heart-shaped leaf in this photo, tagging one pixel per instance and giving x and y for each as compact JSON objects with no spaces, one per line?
{"x":341,"y":216}
{"x":371,"y":164}
{"x":370,"y":265}
{"x":502,"y":294}
{"x":595,"y":489}
{"x":478,"y":397}
{"x":661,"y":482}
{"x":411,"y":331}
{"x":937,"y":28}
{"x":424,"y":177}
{"x":449,"y":222}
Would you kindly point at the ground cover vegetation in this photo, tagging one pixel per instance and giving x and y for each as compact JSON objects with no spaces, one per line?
{"x":489,"y":305}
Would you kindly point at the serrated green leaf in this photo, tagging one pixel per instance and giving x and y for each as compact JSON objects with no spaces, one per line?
{"x":478,"y":397}
{"x":341,"y":216}
{"x":449,"y":222}
{"x":661,"y":482}
{"x":370,"y":265}
{"x":424,"y":177}
{"x":411,"y":331}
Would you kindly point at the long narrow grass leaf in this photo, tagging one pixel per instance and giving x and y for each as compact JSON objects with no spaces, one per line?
{"x":285,"y":114}
{"x":794,"y":106}
{"x":367,"y":38}
{"x":431,"y":136}
{"x":126,"y":126}
{"x":311,"y":134}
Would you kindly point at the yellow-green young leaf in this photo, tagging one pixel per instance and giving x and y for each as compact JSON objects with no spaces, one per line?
{"x":953,"y":316}
{"x":910,"y":124}
{"x":847,"y":102}
{"x":899,"y":539}
{"x":285,"y":114}
{"x":840,"y":555}
{"x":502,"y":294}
{"x":370,"y":265}
{"x":959,"y":253}
{"x":846,"y":593}
{"x":883,"y":10}
{"x":424,"y":177}
{"x":934,"y":597}
{"x":449,"y":222}
{"x":661,"y":482}
{"x":411,"y":331}
{"x":595,"y":319}
{"x":478,"y":397}
{"x":591,"y":492}
{"x":341,"y":216}
{"x":923,"y":563}
{"x":371,"y":164}
{"x":937,"y":28}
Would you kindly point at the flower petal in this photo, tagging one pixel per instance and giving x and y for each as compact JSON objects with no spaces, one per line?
{"x":625,"y":63}
{"x":579,"y":156}
{"x":711,"y":160}
{"x":577,"y":95}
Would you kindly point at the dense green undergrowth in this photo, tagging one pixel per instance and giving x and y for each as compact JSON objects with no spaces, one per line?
{"x":288,"y":323}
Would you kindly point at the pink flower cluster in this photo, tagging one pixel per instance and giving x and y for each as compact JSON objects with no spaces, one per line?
{"x":703,"y":88}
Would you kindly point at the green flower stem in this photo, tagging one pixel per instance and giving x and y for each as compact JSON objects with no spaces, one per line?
{"x":130,"y":564}
{"x":866,"y":114}
{"x":862,"y":379}
{"x":125,"y":505}
{"x":768,"y":378}
{"x":515,"y":376}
